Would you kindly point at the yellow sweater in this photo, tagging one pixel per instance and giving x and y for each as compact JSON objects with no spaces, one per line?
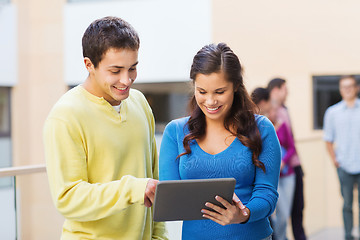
{"x":98,"y":164}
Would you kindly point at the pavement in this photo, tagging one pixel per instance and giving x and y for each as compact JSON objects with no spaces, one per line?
{"x":335,"y":233}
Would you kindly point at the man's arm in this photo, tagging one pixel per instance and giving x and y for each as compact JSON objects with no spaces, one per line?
{"x":331,"y":151}
{"x":329,"y":135}
{"x":74,"y":196}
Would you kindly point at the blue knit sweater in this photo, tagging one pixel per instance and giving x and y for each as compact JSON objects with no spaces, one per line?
{"x":256,"y":189}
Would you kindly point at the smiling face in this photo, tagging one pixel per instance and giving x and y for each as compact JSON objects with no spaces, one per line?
{"x":214,"y":95}
{"x":114,"y":75}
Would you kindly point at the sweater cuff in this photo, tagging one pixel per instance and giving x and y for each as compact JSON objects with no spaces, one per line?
{"x":258,"y":209}
{"x":138,"y":189}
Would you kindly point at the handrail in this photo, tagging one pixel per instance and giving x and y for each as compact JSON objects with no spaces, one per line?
{"x":14,"y":171}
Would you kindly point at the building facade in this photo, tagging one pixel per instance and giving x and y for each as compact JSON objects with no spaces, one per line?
{"x":299,"y":41}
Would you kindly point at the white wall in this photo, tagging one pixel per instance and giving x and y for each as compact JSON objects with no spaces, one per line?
{"x":171,"y":32}
{"x":8,"y":45}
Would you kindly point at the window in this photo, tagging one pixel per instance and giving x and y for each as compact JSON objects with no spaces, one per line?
{"x":5,"y":133}
{"x":167,"y":100}
{"x":326,"y":93}
{"x":4,"y":112}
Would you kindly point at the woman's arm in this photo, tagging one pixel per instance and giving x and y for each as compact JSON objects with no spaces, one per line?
{"x":169,"y":150}
{"x":288,"y":142}
{"x":264,"y":196}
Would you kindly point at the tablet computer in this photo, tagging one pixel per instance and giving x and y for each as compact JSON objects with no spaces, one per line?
{"x":183,"y":199}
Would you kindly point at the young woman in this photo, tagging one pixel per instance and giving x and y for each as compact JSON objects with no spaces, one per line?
{"x":224,"y":138}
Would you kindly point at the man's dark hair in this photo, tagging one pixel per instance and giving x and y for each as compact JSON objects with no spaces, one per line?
{"x":106,"y":33}
{"x":260,"y":94}
{"x":275,"y":83}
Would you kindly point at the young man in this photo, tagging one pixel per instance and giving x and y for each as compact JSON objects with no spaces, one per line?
{"x":100,"y":146}
{"x":342,"y":129}
{"x":278,"y":94}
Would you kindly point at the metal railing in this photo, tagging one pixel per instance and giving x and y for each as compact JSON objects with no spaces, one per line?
{"x":9,"y":199}
{"x":15,"y":171}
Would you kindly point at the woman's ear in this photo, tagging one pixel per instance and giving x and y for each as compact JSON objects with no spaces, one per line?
{"x":88,"y":64}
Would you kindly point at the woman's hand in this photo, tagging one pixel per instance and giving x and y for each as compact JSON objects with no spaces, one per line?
{"x":233,"y":213}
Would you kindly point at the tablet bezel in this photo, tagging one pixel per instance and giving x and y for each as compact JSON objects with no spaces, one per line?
{"x":183,"y":199}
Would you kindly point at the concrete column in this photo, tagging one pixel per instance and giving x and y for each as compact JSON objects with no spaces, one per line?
{"x":40,"y":84}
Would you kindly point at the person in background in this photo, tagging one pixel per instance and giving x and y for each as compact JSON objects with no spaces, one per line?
{"x":278,"y":94}
{"x":261,"y":97}
{"x":278,"y":221}
{"x":287,"y":176}
{"x":100,"y":146}
{"x":342,"y":138}
{"x":223,"y":137}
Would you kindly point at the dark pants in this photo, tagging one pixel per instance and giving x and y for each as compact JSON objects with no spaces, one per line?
{"x":298,"y":206}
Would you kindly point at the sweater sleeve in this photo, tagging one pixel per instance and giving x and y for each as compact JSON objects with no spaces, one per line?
{"x":264,"y":197}
{"x":288,"y":143}
{"x":168,"y":162}
{"x":74,"y":197}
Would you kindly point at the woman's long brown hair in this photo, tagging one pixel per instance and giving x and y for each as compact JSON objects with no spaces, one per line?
{"x":241,"y":119}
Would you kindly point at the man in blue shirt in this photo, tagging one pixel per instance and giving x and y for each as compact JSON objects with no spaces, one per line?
{"x":342,"y":137}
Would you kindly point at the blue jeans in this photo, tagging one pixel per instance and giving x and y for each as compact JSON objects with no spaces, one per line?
{"x":347,"y":183}
{"x":286,"y":190}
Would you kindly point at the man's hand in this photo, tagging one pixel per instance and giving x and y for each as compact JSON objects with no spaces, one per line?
{"x":150,"y":192}
{"x":330,"y":149}
{"x":336,"y":163}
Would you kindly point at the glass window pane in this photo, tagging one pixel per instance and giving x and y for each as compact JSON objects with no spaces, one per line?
{"x":5,"y":138}
{"x":167,"y":100}
{"x":4,"y":111}
{"x":5,"y":159}
{"x":7,"y":209}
